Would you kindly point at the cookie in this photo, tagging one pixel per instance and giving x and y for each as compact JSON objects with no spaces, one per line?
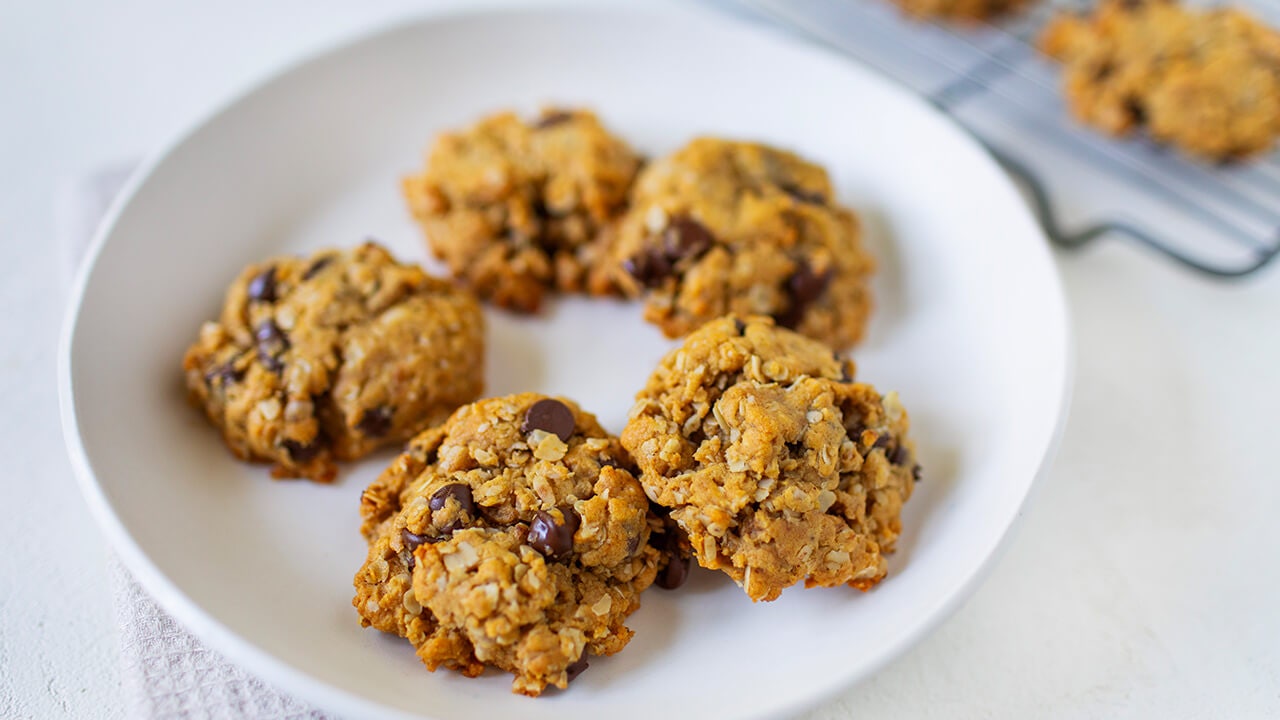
{"x":512,"y":536}
{"x":1206,"y":81}
{"x":326,"y":358}
{"x":778,"y":465}
{"x":723,"y":226}
{"x":517,"y":209}
{"x":959,"y":9}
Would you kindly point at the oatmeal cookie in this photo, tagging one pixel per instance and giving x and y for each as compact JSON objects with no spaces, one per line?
{"x":1207,"y":81}
{"x":723,"y":226}
{"x":779,"y":465}
{"x":327,"y":358}
{"x":959,"y":9}
{"x":515,"y":536}
{"x":518,"y":208}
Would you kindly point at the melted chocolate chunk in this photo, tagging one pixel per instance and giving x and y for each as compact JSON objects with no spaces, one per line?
{"x":317,"y":266}
{"x":686,"y":238}
{"x":302,"y":452}
{"x":649,"y":268}
{"x":271,"y":342}
{"x":899,"y":456}
{"x":262,"y":287}
{"x":376,"y":421}
{"x":675,"y":573}
{"x":551,"y":119}
{"x":805,"y":196}
{"x":459,"y":493}
{"x":551,"y":538}
{"x":574,"y":670}
{"x":550,"y":416}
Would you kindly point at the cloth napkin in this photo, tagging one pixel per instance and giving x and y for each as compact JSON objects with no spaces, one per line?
{"x":166,"y":671}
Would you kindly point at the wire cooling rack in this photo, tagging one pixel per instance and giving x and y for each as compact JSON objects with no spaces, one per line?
{"x":1220,"y":220}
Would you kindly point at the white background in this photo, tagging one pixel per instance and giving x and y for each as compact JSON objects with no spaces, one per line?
{"x":1143,"y":581}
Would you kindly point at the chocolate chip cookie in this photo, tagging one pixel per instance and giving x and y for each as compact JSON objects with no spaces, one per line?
{"x":1207,"y":81}
{"x":514,"y":535}
{"x":723,"y":226}
{"x":327,"y":358}
{"x":517,"y":208}
{"x":959,"y":9}
{"x":778,"y":465}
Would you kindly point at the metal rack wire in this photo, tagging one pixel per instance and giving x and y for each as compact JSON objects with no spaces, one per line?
{"x":1220,"y":220}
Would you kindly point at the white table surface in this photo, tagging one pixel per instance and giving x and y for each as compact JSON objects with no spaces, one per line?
{"x":1143,"y":581}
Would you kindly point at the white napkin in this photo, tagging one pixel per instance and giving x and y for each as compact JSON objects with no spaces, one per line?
{"x":167,"y":672}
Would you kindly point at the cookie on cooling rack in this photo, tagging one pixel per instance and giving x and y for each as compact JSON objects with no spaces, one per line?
{"x":1206,"y":81}
{"x":959,"y":9}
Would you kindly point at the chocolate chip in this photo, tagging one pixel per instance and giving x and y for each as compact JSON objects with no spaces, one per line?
{"x":459,"y":492}
{"x":301,"y":452}
{"x":271,"y":342}
{"x":633,"y":544}
{"x":899,"y":456}
{"x":882,"y":441}
{"x":1136,"y":109}
{"x":227,"y":372}
{"x":650,"y":267}
{"x":916,"y":472}
{"x":675,"y":573}
{"x":803,"y":195}
{"x":551,"y":538}
{"x":263,"y":286}
{"x":412,"y":540}
{"x":317,"y":266}
{"x":539,"y":208}
{"x":686,"y":238}
{"x":574,"y":670}
{"x":739,"y":326}
{"x":550,"y":416}
{"x":376,"y":421}
{"x":846,"y":367}
{"x":553,"y":118}
{"x":806,"y":285}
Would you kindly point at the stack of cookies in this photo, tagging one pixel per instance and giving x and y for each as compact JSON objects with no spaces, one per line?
{"x":515,"y":532}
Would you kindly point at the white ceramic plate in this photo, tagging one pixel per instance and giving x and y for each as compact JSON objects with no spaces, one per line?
{"x":970,"y":328}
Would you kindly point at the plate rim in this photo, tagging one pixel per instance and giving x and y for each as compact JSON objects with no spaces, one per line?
{"x":282,"y":675}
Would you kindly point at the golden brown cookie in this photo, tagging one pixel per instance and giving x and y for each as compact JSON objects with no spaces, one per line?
{"x":1207,"y":81}
{"x":722,"y":226}
{"x":516,"y":208}
{"x":515,"y":536}
{"x":959,"y":9}
{"x":778,"y":465}
{"x":327,"y":358}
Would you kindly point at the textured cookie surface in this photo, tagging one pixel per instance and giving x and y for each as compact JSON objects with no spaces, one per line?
{"x":959,"y":9}
{"x":326,"y":358}
{"x":1207,"y":81}
{"x":723,"y":226}
{"x":779,"y":466}
{"x":513,"y":536}
{"x":518,"y":208}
